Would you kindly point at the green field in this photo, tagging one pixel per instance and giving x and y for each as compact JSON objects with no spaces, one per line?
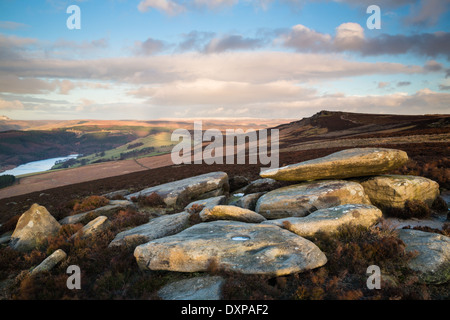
{"x":156,"y":143}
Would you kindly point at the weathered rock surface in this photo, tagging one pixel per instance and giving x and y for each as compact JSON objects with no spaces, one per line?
{"x":33,"y":227}
{"x":207,"y":203}
{"x":157,"y":228}
{"x":113,"y":207}
{"x":348,"y":163}
{"x":198,"y":288}
{"x":238,"y":182}
{"x":6,"y":237}
{"x":433,"y":259}
{"x":261,"y":185}
{"x":301,"y":199}
{"x":233,"y":246}
{"x":114,"y":194}
{"x":391,"y":191}
{"x":248,"y":201}
{"x":330,"y":219}
{"x":230,"y":213}
{"x":181,"y":191}
{"x":99,"y":224}
{"x":50,"y":262}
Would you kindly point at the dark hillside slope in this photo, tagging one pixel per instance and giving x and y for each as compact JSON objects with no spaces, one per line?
{"x":19,"y":147}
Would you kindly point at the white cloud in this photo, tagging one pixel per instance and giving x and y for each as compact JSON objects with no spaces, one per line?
{"x":349,"y":36}
{"x":149,"y":46}
{"x":232,"y":42}
{"x":10,"y":105}
{"x":214,"y":4}
{"x":11,"y":25}
{"x":305,"y":39}
{"x":383,"y":84}
{"x":427,"y":12}
{"x":169,"y":7}
{"x":252,"y":67}
{"x":213,"y":92}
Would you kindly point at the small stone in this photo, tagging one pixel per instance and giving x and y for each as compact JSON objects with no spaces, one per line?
{"x":50,"y":262}
{"x":97,"y":225}
{"x":198,"y":288}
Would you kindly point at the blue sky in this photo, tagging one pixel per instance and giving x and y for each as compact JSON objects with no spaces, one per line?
{"x":151,"y":59}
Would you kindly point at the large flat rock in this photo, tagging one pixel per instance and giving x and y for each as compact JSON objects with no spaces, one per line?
{"x":232,"y":246}
{"x":433,"y":254}
{"x":182,"y":191}
{"x":113,"y":207}
{"x":330,"y":219}
{"x":234,"y":213}
{"x":348,"y":163}
{"x":301,"y":199}
{"x":157,"y":228}
{"x":392,"y":191}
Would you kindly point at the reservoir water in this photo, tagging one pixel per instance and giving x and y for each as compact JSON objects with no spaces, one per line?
{"x":37,"y":166}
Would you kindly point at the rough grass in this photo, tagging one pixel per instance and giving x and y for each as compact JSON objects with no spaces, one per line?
{"x":89,"y":203}
{"x":152,"y":200}
{"x":437,"y":170}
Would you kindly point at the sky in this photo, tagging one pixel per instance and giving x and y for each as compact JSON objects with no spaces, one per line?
{"x":277,"y":59}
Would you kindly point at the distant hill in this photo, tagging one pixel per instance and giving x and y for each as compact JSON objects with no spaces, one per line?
{"x":9,"y":124}
{"x":424,"y":137}
{"x":330,"y":125}
{"x":101,"y":140}
{"x":19,"y":147}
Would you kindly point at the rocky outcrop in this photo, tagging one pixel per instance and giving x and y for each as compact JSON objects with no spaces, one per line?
{"x":50,"y":262}
{"x":392,"y":191}
{"x":116,"y":194}
{"x":34,"y":226}
{"x":5,"y":238}
{"x":182,"y":191}
{"x":198,"y":288}
{"x":261,"y":185}
{"x":348,"y":163}
{"x":113,"y":207}
{"x":433,"y":254}
{"x":330,"y":219}
{"x":301,"y":199}
{"x":230,"y":213}
{"x":157,"y":228}
{"x":248,"y":201}
{"x":231,"y":246}
{"x":207,"y":203}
